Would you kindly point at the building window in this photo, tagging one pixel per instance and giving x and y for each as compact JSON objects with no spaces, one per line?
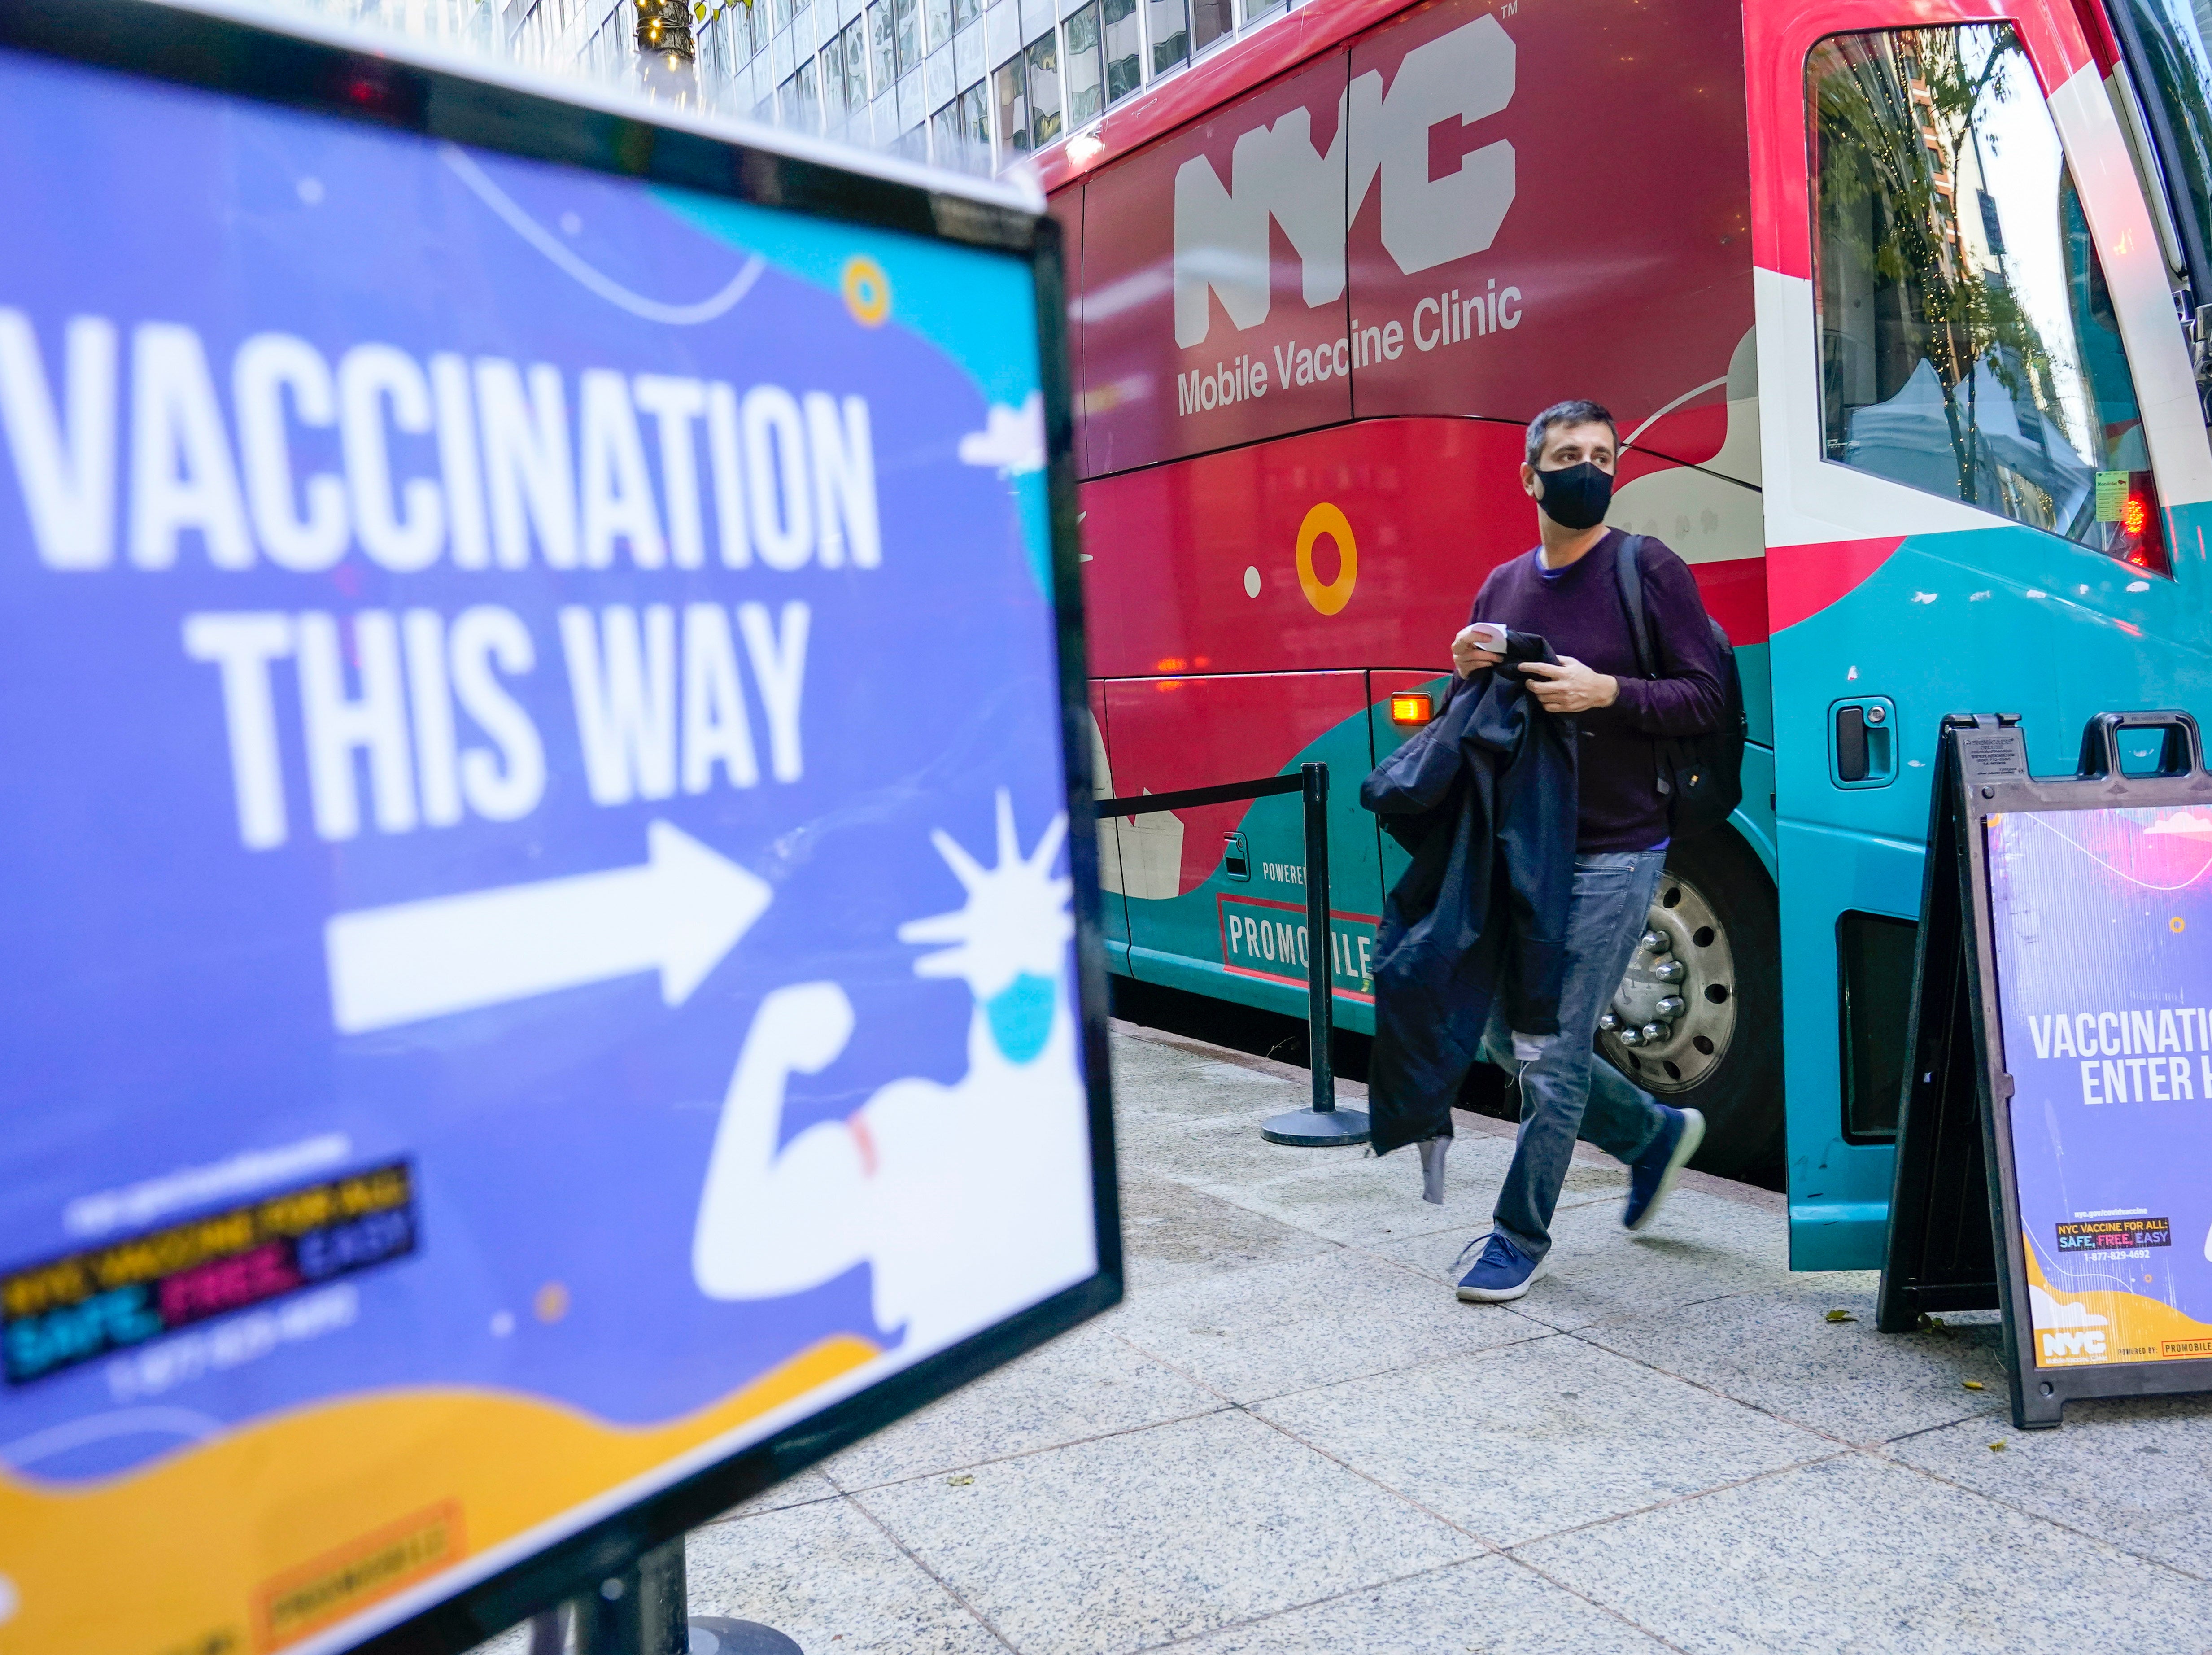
{"x":1170,"y":22}
{"x":801,"y":100}
{"x":1086,"y":75}
{"x":1210,"y":21}
{"x":965,"y":12}
{"x":960,"y":133}
{"x":714,"y":38}
{"x":945,"y":135}
{"x":883,"y":46}
{"x":1125,"y":60}
{"x":845,"y":72}
{"x":976,"y":119}
{"x":906,"y":15}
{"x":1042,"y":80}
{"x":1013,"y":107}
{"x":940,"y":14}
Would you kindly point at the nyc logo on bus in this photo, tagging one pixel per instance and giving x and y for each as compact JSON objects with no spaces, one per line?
{"x":1276,"y":175}
{"x":1265,"y":939}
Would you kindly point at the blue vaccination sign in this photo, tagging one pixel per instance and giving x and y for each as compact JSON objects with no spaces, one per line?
{"x":537,"y":901}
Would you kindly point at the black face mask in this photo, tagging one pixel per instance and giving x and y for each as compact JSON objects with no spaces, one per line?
{"x":1575,"y":496}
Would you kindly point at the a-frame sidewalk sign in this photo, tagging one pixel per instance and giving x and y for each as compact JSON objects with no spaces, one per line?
{"x":2055,"y":1134}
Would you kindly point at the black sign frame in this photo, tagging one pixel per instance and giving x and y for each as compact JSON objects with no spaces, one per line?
{"x":309,"y":65}
{"x":1954,"y":1238}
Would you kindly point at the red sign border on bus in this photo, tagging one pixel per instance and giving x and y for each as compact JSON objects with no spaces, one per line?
{"x":1221,"y":923}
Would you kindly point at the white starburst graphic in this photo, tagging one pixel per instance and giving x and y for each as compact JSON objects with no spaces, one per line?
{"x":1016,"y":922}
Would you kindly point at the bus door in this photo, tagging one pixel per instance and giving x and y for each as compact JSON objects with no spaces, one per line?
{"x":1985,"y":479}
{"x":1113,"y":881}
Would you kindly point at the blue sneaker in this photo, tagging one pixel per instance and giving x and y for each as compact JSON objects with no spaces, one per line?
{"x":1503,"y":1272}
{"x":1655,"y":1170}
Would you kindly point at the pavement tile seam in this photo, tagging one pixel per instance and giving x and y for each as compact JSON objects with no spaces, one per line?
{"x":1293,"y":1608}
{"x":1604,"y":1609}
{"x":1581,"y":1336}
{"x":943,"y":1584}
{"x":1537,"y":1333}
{"x":1589,"y":1332}
{"x":1488,"y":1545}
{"x":848,"y":1489}
{"x":1336,"y":1460}
{"x":1180,"y":1371}
{"x":1999,"y":1420}
{"x":1237,"y":1197}
{"x":1868,"y":1452}
{"x":1622,"y":1318}
{"x":1348,"y":1092}
{"x":1794,"y":1466}
{"x":2073,"y":1627}
{"x":1537,"y":1330}
{"x":1875,"y":1451}
{"x":739,"y":1513}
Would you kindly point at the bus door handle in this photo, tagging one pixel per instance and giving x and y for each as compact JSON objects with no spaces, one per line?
{"x":1236,"y":856}
{"x":1862,"y":742}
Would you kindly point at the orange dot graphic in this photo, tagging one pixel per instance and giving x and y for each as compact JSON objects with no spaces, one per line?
{"x":551,"y":1302}
{"x":867,"y":290}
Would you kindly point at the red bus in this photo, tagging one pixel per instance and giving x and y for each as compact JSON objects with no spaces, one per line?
{"x":1895,"y":300}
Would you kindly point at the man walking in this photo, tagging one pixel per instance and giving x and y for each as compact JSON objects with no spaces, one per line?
{"x":1568,"y":589}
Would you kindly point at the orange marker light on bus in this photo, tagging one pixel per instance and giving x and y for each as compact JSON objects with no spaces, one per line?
{"x":1413,"y":709}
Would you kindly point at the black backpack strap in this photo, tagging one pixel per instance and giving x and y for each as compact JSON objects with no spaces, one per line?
{"x":1632,"y":599}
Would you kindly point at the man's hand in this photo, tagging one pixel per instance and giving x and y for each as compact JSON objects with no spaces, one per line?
{"x":1467,"y":659}
{"x":1570,"y":687}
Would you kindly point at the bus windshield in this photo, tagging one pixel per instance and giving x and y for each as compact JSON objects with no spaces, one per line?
{"x":2166,"y":44}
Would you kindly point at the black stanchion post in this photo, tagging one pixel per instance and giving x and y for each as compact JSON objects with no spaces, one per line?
{"x":641,"y":1611}
{"x":1324,"y":1123}
{"x":1320,"y":995}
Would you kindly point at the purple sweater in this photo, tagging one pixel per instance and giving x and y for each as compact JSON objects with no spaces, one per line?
{"x":1578,"y":609}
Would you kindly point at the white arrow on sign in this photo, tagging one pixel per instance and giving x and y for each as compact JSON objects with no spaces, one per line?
{"x":677,"y":912}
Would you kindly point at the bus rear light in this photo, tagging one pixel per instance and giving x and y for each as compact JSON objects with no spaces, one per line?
{"x":1410,"y":709}
{"x":2127,"y":511}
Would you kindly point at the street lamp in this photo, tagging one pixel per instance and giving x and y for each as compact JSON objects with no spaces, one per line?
{"x":664,"y":46}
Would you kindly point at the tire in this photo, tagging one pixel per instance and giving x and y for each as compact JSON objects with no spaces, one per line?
{"x":1717,"y":1047}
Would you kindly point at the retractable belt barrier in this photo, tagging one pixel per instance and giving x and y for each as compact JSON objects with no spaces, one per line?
{"x":1324,"y":1124}
{"x":2053,"y":1134}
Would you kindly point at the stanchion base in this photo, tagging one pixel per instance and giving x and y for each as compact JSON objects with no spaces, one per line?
{"x":1311,"y":1128}
{"x":713,"y":1636}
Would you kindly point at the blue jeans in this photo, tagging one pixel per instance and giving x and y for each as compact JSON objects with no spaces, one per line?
{"x":1570,"y":1091}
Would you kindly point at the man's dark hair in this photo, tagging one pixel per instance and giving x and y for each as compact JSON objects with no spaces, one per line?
{"x":1575,"y":411}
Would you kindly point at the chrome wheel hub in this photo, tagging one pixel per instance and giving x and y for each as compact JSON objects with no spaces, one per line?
{"x":1670,"y":1021}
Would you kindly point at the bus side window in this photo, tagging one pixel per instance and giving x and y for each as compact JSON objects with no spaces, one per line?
{"x":1968,"y":345}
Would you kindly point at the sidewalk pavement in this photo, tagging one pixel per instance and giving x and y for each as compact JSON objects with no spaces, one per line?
{"x":1293,"y":1437}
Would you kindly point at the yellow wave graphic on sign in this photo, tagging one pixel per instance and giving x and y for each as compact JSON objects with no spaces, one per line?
{"x":289,"y":1526}
{"x":2101,"y":1325}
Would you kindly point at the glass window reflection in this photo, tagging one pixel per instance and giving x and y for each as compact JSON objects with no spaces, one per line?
{"x":2167,"y":45}
{"x":1968,"y":343}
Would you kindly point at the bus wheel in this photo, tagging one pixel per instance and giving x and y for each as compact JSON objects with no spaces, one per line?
{"x":1698,"y":1020}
